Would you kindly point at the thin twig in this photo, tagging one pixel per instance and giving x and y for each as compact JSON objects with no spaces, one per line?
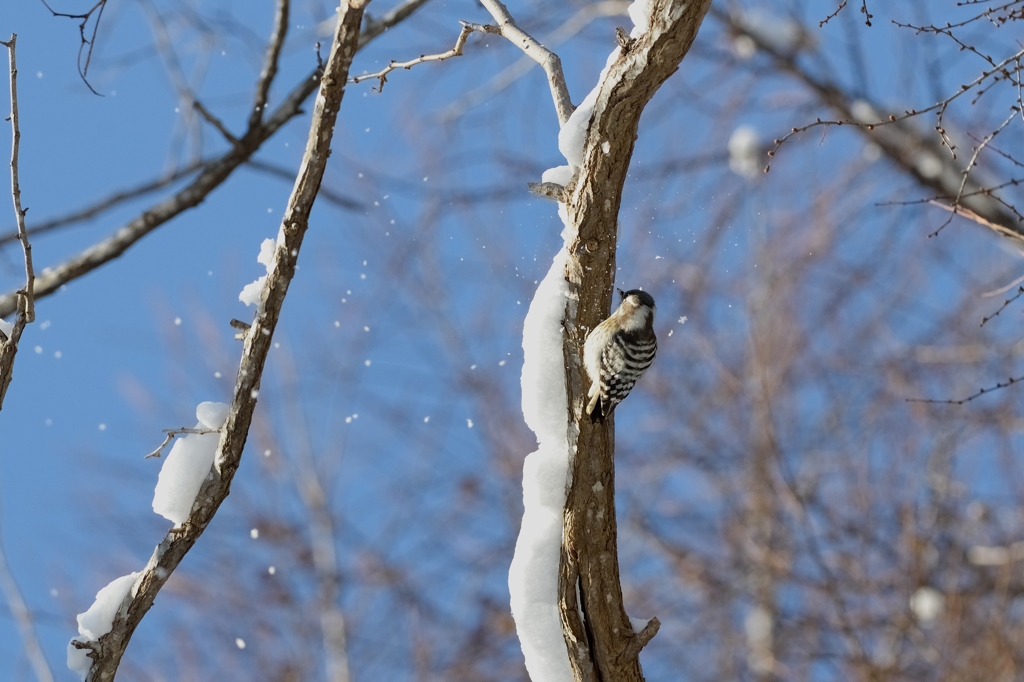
{"x":965,"y":212}
{"x":967,"y":170}
{"x":863,"y":10}
{"x":1020,"y":292}
{"x":171,"y":433}
{"x":83,"y":70}
{"x":23,"y":298}
{"x":216,"y":123}
{"x":548,"y":60}
{"x":270,"y":62}
{"x":999,"y":385}
{"x":456,"y":51}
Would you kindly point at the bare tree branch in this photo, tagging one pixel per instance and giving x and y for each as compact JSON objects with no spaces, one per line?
{"x":510,"y":74}
{"x":213,"y":174}
{"x":24,"y":298}
{"x":215,"y":122}
{"x":109,"y":649}
{"x":548,"y":60}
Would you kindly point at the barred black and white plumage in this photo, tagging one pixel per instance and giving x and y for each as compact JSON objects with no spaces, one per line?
{"x":618,"y":352}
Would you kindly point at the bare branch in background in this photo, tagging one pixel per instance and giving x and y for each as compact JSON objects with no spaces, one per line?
{"x":270,"y":62}
{"x":323,"y":534}
{"x":171,"y":433}
{"x":88,"y":44}
{"x":326,"y":194}
{"x":122,"y":196}
{"x":980,"y":392}
{"x":1020,"y":292}
{"x":23,"y":619}
{"x":842,"y":6}
{"x":112,"y":201}
{"x":109,"y":649}
{"x":918,"y":155}
{"x":212,"y":175}
{"x":216,"y":123}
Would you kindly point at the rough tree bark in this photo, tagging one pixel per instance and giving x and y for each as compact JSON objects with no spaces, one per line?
{"x":602,"y":644}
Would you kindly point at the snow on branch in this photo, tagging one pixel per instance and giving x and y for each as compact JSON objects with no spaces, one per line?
{"x":107,"y":650}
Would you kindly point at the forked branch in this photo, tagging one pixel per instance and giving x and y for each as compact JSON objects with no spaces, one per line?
{"x":547,"y":59}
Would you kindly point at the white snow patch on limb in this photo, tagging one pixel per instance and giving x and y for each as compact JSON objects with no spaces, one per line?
{"x":560,"y":175}
{"x":8,"y":327}
{"x":638,"y":623}
{"x":251,"y":292}
{"x":97,"y":620}
{"x":640,"y":14}
{"x":533,"y":575}
{"x":573,"y":134}
{"x":188,"y":464}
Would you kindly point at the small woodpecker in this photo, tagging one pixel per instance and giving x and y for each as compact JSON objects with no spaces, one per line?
{"x":618,"y":352}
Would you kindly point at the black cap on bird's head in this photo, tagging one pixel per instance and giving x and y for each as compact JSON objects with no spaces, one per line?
{"x":642,"y":296}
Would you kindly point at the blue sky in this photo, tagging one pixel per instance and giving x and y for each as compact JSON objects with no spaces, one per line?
{"x":428,"y":282}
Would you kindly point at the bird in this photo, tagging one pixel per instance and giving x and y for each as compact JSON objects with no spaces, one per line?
{"x":618,"y":352}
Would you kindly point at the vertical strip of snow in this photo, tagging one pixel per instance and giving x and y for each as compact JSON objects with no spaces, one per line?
{"x":533,"y":576}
